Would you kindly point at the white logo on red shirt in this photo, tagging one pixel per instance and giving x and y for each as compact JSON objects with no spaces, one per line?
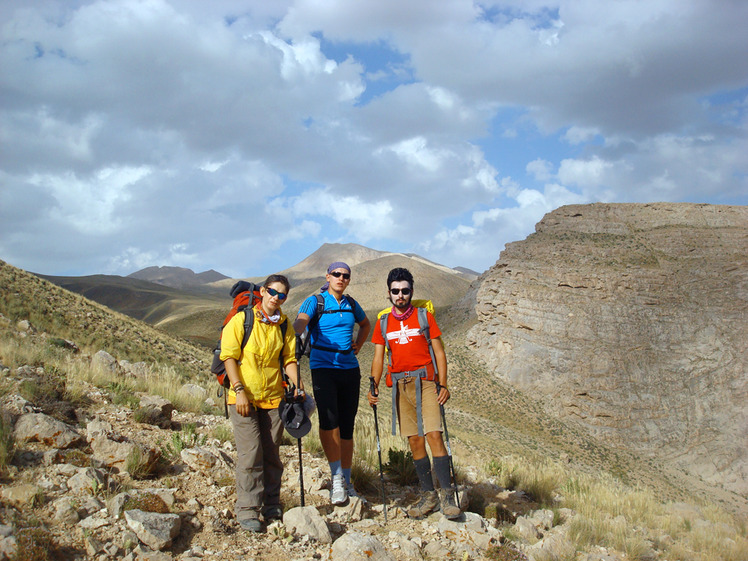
{"x":403,"y":335}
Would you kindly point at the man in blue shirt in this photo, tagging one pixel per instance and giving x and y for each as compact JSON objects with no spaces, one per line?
{"x":336,"y":376}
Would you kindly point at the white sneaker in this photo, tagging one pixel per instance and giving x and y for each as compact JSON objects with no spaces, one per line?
{"x":338,"y":493}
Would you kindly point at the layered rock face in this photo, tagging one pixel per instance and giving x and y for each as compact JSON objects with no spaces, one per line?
{"x":632,"y":319}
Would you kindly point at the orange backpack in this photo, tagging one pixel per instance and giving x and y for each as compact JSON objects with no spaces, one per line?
{"x":246,"y":295}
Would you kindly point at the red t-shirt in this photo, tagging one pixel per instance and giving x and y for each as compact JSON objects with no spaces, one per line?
{"x":409,"y":348}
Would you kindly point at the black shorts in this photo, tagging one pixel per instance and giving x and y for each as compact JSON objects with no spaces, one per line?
{"x":336,"y":392}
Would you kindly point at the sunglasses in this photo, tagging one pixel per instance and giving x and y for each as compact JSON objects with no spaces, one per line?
{"x":397,"y":291}
{"x":276,"y":294}
{"x":338,"y":274}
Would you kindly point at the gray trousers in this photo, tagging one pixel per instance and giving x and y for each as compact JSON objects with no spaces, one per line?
{"x":258,"y":467}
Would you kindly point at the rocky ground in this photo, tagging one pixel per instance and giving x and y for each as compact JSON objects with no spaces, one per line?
{"x":74,"y":491}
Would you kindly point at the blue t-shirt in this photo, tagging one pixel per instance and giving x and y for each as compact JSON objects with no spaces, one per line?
{"x":334,"y":330}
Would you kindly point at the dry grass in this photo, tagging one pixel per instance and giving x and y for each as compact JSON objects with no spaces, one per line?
{"x":540,"y":480}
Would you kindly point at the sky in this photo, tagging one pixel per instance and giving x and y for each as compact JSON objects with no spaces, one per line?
{"x":240,"y":136}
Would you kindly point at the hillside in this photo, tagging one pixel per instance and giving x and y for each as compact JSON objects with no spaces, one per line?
{"x":72,"y":316}
{"x":139,"y":299}
{"x":631,"y":321}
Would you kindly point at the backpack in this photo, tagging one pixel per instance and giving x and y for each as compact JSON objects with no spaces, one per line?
{"x":423,"y":307}
{"x":246,"y":295}
{"x":303,"y":346}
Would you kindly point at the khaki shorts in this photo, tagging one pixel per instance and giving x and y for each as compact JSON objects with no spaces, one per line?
{"x":406,"y":407}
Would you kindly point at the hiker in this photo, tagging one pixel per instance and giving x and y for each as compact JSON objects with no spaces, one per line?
{"x":255,"y":394}
{"x":411,"y":368}
{"x":336,"y":376}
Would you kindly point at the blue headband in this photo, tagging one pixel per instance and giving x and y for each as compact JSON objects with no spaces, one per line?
{"x":330,"y":269}
{"x":338,"y":265}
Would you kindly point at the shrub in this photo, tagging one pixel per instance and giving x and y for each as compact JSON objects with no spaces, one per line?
{"x":400,"y":467}
{"x":504,"y":552}
{"x":121,"y":393}
{"x":147,"y":502}
{"x":76,"y":457}
{"x":137,"y":465}
{"x":223,"y":432}
{"x":7,"y":442}
{"x":33,"y":542}
{"x":188,"y":437}
{"x":366,"y":478}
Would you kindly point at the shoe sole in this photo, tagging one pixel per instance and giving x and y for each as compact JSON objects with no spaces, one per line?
{"x":253,"y":529}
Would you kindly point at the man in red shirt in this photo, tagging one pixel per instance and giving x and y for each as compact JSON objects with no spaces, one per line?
{"x":414,"y":374}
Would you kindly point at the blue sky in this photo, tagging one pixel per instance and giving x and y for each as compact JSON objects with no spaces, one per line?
{"x":241,"y":136}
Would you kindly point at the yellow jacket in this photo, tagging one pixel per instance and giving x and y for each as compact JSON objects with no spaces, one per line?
{"x":259,"y":363}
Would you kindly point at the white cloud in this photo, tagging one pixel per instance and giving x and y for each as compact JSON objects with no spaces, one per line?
{"x":90,"y":205}
{"x":415,"y":152}
{"x":579,"y":135}
{"x":590,"y":173}
{"x":359,"y":219}
{"x":540,"y":169}
{"x":158,"y":130}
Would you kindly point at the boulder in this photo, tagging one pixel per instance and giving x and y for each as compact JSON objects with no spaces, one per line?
{"x":153,"y":529}
{"x":47,"y":430}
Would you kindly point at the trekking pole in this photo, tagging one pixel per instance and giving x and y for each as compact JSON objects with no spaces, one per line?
{"x":301,"y":474}
{"x":373,"y":389}
{"x":289,"y":397}
{"x":449,"y":448}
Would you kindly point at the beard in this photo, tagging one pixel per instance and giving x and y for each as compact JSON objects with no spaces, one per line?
{"x":400,"y":304}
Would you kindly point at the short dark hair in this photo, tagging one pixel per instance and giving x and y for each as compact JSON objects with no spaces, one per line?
{"x":399,"y":274}
{"x":277,"y":278}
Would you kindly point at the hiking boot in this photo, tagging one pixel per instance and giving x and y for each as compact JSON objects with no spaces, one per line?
{"x":338,"y":494}
{"x":428,"y":503}
{"x":251,"y":524}
{"x":450,"y":510}
{"x":273,"y":513}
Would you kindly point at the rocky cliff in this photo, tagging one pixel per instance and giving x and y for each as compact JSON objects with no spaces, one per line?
{"x":631,"y":318}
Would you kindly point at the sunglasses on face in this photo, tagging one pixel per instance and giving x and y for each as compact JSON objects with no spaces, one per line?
{"x":338,"y":274}
{"x":276,"y":294}
{"x":397,"y":291}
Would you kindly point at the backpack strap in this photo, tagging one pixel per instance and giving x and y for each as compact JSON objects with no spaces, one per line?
{"x":318,"y":314}
{"x":416,"y":375}
{"x":423,"y":323}
{"x":383,"y":329}
{"x":249,"y":322}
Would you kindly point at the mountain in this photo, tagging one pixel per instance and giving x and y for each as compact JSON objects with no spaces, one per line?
{"x":631,"y":320}
{"x":171,"y":299}
{"x":177,"y":277}
{"x":315,"y":266}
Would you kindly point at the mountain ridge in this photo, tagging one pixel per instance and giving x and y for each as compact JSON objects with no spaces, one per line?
{"x":631,"y":320}
{"x":177,"y":277}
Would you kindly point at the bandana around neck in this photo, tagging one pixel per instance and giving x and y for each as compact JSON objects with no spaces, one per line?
{"x":263,"y":317}
{"x":405,"y":315}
